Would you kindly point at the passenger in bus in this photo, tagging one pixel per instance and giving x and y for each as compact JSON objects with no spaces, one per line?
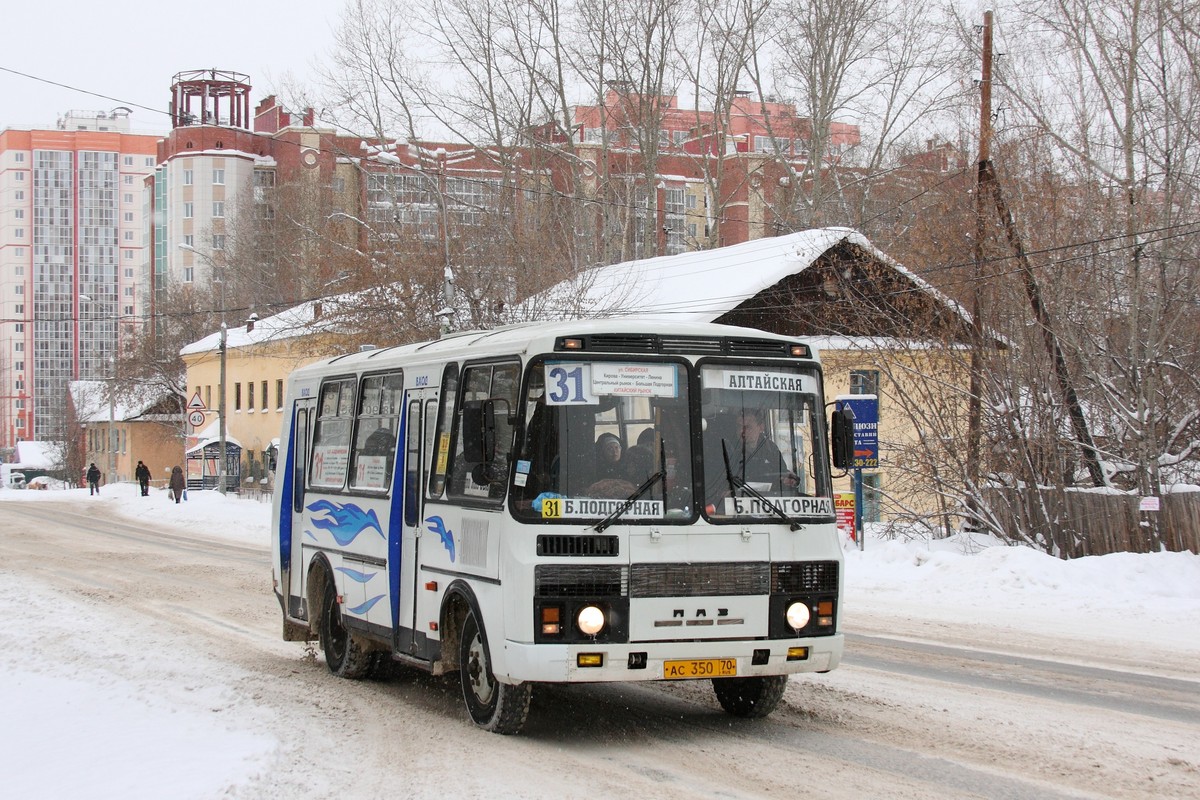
{"x":759,"y":460}
{"x":608,"y":457}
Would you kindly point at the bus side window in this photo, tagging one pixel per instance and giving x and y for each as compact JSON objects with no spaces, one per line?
{"x":331,"y":436}
{"x":441,"y":451}
{"x":378,"y":419}
{"x":491,"y":388}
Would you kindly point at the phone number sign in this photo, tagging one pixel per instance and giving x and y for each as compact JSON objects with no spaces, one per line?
{"x":866,"y":429}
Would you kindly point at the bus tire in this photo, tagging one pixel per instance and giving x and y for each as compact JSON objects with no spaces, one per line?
{"x":344,"y":654}
{"x":751,"y":698}
{"x":493,"y":706}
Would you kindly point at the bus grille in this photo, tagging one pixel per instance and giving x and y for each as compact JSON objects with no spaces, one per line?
{"x":578,"y":546}
{"x":804,"y":577}
{"x":698,"y":580}
{"x":565,"y":580}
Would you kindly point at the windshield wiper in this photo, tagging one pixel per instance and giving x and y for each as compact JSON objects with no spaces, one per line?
{"x":736,"y":482}
{"x":620,"y":510}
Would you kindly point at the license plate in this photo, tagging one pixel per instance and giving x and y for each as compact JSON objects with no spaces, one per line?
{"x":700,"y":668}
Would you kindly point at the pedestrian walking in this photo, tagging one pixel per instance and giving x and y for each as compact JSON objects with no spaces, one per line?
{"x":177,"y":482}
{"x":93,"y":479}
{"x":142,"y":473}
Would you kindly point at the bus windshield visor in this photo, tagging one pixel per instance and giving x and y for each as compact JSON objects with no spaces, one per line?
{"x":762,"y":429}
{"x":597,"y":432}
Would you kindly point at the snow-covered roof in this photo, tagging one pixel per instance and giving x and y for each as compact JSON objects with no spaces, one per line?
{"x":36,"y":455}
{"x":701,"y":285}
{"x":299,"y":320}
{"x":131,"y":401}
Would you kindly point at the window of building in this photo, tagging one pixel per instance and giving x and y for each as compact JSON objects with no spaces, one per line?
{"x":127,"y":197}
{"x":20,"y":327}
{"x":237,"y":397}
{"x":250,"y":395}
{"x":128,"y":311}
{"x":189,"y":239}
{"x":218,"y":241}
{"x":864,"y":381}
{"x":19,"y":177}
{"x":18,"y":384}
{"x":128,"y":291}
{"x":149,"y":161}
{"x":18,"y":233}
{"x":218,"y":209}
{"x":127,"y":161}
{"x":279,"y":394}
{"x":19,"y":365}
{"x":127,"y":236}
{"x":128,"y":216}
{"x":188,"y":177}
{"x":128,"y":181}
{"x":189,"y":274}
{"x":19,"y":213}
{"x":189,"y":210}
{"x":264,"y":395}
{"x":19,"y":157}
{"x":208,"y":396}
{"x":218,"y":177}
{"x":129,"y":271}
{"x":127,"y":255}
{"x":19,"y":194}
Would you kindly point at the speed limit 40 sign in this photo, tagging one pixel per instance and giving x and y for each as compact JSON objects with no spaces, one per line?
{"x":196,"y":418}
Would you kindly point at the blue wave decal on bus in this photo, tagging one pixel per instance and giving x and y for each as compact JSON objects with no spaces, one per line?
{"x":365,"y":607}
{"x":355,"y":575}
{"x":344,"y":522}
{"x":437,"y":526}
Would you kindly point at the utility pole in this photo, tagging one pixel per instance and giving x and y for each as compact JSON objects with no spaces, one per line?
{"x":975,"y":399}
{"x":221,"y":411}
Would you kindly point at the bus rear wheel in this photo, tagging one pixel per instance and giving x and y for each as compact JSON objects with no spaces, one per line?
{"x":751,"y":698}
{"x":344,"y":655}
{"x":494,"y":706}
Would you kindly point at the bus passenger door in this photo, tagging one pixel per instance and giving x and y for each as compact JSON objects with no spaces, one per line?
{"x":291,"y":512}
{"x":412,"y":489}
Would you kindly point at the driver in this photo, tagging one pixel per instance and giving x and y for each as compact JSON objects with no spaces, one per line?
{"x":760,"y":460}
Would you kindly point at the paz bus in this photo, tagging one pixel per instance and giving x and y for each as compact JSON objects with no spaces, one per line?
{"x":585,"y":501}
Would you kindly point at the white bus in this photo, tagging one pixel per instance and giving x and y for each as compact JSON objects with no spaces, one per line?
{"x":603,"y":500}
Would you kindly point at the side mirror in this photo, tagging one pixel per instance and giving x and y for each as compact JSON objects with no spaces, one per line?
{"x":843,"y":437}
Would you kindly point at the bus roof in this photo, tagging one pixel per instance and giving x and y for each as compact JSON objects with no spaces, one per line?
{"x":641,"y":336}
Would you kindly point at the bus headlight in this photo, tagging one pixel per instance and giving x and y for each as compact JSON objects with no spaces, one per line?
{"x":798,"y":615}
{"x":590,"y":620}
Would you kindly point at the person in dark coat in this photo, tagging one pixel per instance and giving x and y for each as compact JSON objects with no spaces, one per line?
{"x":142,"y":473}
{"x":177,"y":482}
{"x":93,"y":479}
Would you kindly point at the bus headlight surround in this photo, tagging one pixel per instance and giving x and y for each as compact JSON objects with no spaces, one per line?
{"x":590,"y":620}
{"x":798,"y":615}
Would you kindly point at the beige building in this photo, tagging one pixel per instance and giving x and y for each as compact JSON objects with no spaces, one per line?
{"x":133,"y":424}
{"x":259,"y":355}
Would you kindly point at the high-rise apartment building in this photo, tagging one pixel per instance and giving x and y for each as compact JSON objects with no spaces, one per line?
{"x":73,"y":265}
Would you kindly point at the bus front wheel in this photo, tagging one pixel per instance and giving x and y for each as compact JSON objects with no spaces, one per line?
{"x":752,"y":698}
{"x":494,"y":706}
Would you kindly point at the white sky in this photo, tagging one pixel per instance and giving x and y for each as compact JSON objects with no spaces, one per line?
{"x":114,"y":727}
{"x":130,"y":52}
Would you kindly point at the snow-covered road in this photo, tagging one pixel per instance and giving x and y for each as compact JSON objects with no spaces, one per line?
{"x":145,"y":662}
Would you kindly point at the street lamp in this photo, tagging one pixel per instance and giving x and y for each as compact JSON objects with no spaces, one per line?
{"x":221,"y":378}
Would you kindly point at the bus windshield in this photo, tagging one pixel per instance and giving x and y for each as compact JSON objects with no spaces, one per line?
{"x":761,"y":426}
{"x":597,"y":432}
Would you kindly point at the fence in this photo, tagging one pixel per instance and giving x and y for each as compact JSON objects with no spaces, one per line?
{"x":1081,"y":523}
